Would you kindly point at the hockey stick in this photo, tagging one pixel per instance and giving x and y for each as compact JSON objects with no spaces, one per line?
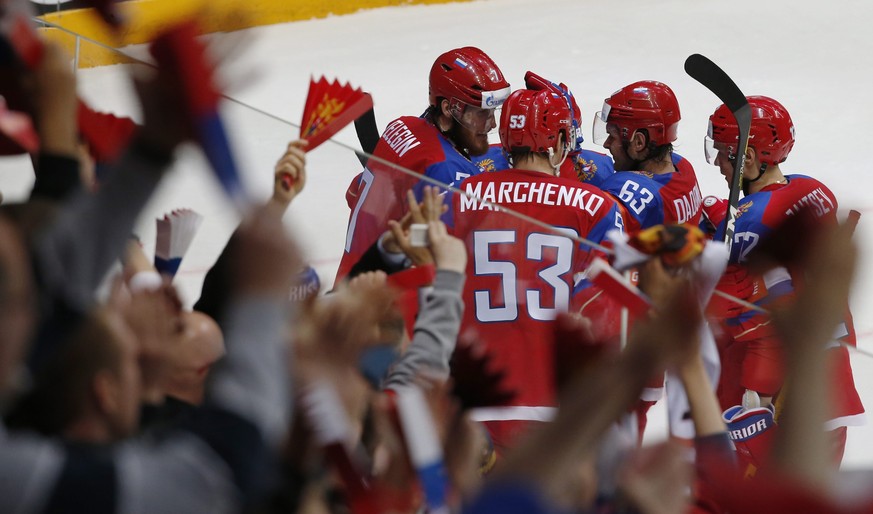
{"x":707,"y":73}
{"x":853,"y":218}
{"x":368,"y":135}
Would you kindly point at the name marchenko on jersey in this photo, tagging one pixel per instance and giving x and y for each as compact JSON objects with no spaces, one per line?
{"x":530,"y":192}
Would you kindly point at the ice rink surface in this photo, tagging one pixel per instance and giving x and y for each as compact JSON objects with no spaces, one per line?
{"x":812,"y":58}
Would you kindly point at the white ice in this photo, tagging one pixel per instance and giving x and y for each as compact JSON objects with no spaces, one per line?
{"x":813,"y":57}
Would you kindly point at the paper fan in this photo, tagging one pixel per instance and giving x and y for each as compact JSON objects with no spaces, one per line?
{"x":107,"y":135}
{"x":175,"y":231}
{"x":180,"y":52}
{"x":330,"y":106}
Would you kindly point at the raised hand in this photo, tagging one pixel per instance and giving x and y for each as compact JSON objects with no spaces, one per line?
{"x":671,"y":334}
{"x":448,"y":251}
{"x":430,"y":209}
{"x":336,"y":329}
{"x":289,"y":176}
{"x":54,"y":93}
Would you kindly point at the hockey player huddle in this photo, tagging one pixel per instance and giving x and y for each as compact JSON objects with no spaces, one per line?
{"x":535,"y":211}
{"x":503,"y":319}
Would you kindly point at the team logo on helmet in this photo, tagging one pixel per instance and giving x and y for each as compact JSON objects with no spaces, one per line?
{"x":494,"y":99}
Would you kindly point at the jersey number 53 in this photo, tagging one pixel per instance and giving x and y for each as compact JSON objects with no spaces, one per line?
{"x":488,"y":303}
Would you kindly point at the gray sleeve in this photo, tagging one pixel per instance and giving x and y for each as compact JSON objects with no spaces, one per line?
{"x":29,"y":469}
{"x":436,"y":331}
{"x":91,"y":230}
{"x":183,"y":475}
{"x":252,"y":380}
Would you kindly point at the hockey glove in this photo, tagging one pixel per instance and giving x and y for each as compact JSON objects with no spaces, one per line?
{"x":752,"y":431}
{"x":714,"y":211}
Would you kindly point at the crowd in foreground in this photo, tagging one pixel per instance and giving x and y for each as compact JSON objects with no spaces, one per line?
{"x":377,"y":397}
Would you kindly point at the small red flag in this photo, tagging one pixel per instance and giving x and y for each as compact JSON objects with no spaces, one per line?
{"x":330,"y":106}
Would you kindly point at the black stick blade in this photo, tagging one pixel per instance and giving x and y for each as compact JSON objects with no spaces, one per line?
{"x":368,"y":135}
{"x":708,"y":73}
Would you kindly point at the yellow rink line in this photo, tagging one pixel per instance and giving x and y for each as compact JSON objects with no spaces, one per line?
{"x":214,"y":16}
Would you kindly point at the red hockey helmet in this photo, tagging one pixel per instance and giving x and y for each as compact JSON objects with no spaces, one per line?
{"x":536,"y":83}
{"x":532,"y":121}
{"x":771,"y":134}
{"x":469,"y":76}
{"x":646,"y":104}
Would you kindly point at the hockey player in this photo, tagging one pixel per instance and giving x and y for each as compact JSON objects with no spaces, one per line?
{"x":519,"y":274}
{"x":752,"y":359}
{"x":466,"y":87}
{"x":638,"y":125}
{"x":581,"y":164}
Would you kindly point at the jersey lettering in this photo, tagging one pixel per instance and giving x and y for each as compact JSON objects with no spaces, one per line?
{"x":817,"y":200}
{"x":687,"y":206}
{"x":542,"y":193}
{"x":400,"y":138}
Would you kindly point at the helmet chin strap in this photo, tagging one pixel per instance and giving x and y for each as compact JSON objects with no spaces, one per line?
{"x":746,"y":182}
{"x":761,"y":172}
{"x":564,"y":154}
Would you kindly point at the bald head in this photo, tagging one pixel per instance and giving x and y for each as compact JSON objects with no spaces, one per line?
{"x":200,"y":345}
